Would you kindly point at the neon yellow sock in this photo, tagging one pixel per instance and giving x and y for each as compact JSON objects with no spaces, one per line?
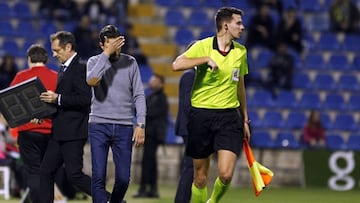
{"x":198,"y":195}
{"x":218,"y":191}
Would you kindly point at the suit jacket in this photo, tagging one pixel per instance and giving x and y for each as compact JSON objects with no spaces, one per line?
{"x":157,"y":111}
{"x":185,"y":87}
{"x":70,"y":122}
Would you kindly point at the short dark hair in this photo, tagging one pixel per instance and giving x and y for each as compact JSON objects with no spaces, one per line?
{"x":37,"y":53}
{"x":225,"y":14}
{"x":109,"y":31}
{"x":64,"y":38}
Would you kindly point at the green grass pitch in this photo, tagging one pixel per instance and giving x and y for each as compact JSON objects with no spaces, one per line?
{"x":246,"y":195}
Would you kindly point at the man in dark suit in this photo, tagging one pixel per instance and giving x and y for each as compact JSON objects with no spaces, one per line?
{"x":72,"y":97}
{"x":157,"y":111}
{"x":183,"y":192}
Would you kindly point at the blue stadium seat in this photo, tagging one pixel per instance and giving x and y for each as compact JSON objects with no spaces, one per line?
{"x":171,"y":137}
{"x":338,"y":62}
{"x":286,"y":99}
{"x":286,"y":140}
{"x":356,"y":63}
{"x":263,"y":58}
{"x":22,"y":10}
{"x":183,"y":37}
{"x":27,"y":30}
{"x":272,"y":119}
{"x":174,"y":17}
{"x":354,"y":102}
{"x":318,"y":22}
{"x":28,"y":42}
{"x":261,"y":139}
{"x":335,"y":142}
{"x":353,"y":142}
{"x":11,"y":47}
{"x":310,"y":100}
{"x":348,"y":82}
{"x":70,"y":25}
{"x":310,"y":6}
{"x":246,"y":20}
{"x":262,"y":98}
{"x":145,"y":72}
{"x":351,"y":42}
{"x":344,"y":121}
{"x":6,"y":11}
{"x":309,"y":42}
{"x":206,"y":33}
{"x":198,"y":18}
{"x":47,"y":45}
{"x":325,"y":120}
{"x":290,"y":4}
{"x":47,"y":28}
{"x":167,"y":3}
{"x":326,"y":5}
{"x":243,"y":5}
{"x":297,"y":58}
{"x":53,"y":64}
{"x":7,"y":29}
{"x":251,"y":62}
{"x":295,"y":120}
{"x":334,"y":101}
{"x":302,"y":81}
{"x":324,"y":81}
{"x":275,"y":17}
{"x":213,"y":3}
{"x":328,"y":42}
{"x":255,"y":119}
{"x":254,"y":78}
{"x":314,"y":61}
{"x":249,"y":98}
{"x":193,"y":4}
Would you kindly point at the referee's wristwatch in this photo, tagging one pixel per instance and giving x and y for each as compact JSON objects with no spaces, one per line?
{"x":141,"y":125}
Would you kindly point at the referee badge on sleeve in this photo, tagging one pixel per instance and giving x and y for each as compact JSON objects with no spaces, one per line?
{"x":235,"y":75}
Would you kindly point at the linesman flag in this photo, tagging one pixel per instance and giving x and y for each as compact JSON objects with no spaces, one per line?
{"x":260,"y":175}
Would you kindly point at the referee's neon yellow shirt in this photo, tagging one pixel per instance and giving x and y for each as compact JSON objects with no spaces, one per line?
{"x":218,"y":89}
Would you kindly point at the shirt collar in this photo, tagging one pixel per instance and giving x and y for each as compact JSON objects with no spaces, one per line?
{"x":216,"y":46}
{"x":67,"y":62}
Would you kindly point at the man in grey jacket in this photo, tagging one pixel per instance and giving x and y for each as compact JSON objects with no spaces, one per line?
{"x":118,"y":96}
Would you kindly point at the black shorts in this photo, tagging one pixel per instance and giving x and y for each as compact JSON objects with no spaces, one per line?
{"x":212,"y":130}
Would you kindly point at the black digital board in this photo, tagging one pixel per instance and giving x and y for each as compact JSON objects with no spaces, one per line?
{"x":21,"y":103}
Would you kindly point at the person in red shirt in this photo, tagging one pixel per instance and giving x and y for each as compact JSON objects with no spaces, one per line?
{"x":33,"y":137}
{"x":314,"y":132}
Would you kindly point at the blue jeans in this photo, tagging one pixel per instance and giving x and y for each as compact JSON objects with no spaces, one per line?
{"x":119,"y":137}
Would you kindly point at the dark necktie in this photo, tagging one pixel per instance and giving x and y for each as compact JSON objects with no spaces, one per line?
{"x":62,"y":71}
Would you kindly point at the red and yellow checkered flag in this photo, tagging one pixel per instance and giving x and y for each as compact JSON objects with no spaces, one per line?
{"x":260,"y":175}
